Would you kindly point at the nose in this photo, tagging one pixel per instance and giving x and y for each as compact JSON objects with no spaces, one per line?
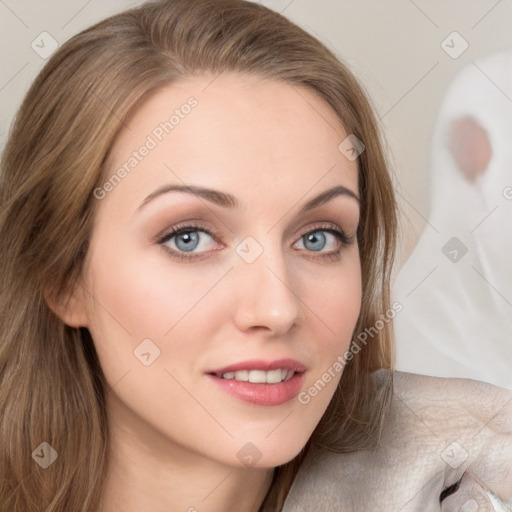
{"x":266,"y":298}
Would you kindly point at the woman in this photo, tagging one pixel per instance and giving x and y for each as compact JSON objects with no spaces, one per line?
{"x":197,"y":231}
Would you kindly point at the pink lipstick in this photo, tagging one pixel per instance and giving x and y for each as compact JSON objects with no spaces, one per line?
{"x":261,"y":382}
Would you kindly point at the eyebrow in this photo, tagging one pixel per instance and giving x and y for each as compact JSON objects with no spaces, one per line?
{"x":226,"y":200}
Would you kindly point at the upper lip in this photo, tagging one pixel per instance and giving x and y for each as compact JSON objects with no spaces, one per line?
{"x":260,"y":364}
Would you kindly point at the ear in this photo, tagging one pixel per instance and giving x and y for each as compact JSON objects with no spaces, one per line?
{"x":70,"y":307}
{"x":470,"y":146}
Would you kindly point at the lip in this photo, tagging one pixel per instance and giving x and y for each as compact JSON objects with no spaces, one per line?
{"x":259,"y":393}
{"x":260,"y":364}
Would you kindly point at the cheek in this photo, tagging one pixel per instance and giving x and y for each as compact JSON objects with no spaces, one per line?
{"x":336,"y":306}
{"x":336,"y":301}
{"x":134,"y":298}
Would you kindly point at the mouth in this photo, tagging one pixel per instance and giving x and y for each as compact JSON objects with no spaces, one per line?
{"x":261,"y":382}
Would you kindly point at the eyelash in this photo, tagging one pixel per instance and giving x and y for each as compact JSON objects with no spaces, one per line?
{"x":181,"y":256}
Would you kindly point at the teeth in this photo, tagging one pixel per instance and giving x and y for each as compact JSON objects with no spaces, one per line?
{"x":242,"y":375}
{"x":257,"y":376}
{"x":272,"y":377}
{"x":260,"y":376}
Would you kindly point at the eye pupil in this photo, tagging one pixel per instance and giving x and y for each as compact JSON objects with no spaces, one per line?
{"x":189,"y":238}
{"x":318,"y":239}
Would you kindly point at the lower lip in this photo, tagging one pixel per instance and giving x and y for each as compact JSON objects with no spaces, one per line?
{"x":262,"y":394}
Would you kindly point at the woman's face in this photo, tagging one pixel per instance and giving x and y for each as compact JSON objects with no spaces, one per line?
{"x":256,"y":278}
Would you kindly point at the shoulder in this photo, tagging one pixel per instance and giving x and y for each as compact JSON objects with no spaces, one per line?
{"x":465,"y":424}
{"x":415,"y":384}
{"x":439,"y":433}
{"x":459,"y":405}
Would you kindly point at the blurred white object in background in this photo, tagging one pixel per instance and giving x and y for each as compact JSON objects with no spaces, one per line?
{"x":456,"y":287}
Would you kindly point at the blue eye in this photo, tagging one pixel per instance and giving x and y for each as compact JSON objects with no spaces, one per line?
{"x":316,"y":241}
{"x":187,"y":239}
{"x":316,"y":238}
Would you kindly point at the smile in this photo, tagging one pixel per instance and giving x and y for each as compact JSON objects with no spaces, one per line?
{"x":259,"y":376}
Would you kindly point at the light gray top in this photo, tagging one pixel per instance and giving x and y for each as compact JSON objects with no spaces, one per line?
{"x":440,"y":431}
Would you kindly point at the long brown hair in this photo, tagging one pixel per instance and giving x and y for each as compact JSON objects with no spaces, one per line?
{"x":52,"y":386}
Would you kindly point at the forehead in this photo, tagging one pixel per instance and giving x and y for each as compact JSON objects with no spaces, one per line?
{"x":255,"y":134}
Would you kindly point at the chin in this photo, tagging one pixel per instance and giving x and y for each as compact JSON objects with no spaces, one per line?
{"x":269,"y":453}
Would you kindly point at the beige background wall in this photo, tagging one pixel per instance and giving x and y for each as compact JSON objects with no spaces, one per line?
{"x":394,"y":47}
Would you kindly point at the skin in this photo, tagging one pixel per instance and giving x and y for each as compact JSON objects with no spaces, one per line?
{"x":174,"y":434}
